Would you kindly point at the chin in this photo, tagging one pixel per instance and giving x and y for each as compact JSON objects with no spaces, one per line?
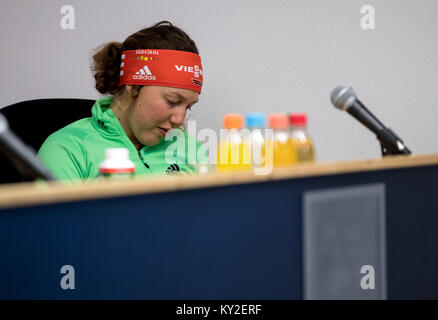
{"x":152,"y":141}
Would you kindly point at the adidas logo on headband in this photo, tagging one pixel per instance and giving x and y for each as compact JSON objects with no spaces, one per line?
{"x":144,"y":74}
{"x":144,"y":70}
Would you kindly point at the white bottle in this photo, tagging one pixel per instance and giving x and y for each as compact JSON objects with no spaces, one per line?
{"x":117,"y":164}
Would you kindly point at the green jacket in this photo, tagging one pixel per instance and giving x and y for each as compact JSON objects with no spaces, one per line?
{"x":75,"y":151}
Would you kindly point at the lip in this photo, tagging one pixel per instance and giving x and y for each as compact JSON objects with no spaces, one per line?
{"x":163,"y":131}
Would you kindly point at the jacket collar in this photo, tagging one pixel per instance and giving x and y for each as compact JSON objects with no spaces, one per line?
{"x":103,"y":118}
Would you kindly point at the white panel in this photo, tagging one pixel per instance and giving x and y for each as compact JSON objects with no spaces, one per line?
{"x":343,"y":232}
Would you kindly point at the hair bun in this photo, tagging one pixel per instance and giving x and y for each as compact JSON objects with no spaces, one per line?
{"x":106,"y":67}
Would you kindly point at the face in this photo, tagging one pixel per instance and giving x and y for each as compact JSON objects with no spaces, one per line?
{"x":156,"y":110}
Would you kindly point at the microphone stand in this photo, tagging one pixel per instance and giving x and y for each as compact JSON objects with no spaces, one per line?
{"x":391,"y":144}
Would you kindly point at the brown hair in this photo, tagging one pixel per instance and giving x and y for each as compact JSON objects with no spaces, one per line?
{"x":162,"y":35}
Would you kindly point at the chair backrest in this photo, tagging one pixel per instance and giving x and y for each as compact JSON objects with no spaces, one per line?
{"x":34,"y":120}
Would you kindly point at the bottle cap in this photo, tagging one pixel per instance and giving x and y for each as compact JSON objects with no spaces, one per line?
{"x":255,"y":120}
{"x":116,"y":161}
{"x":298,"y":119}
{"x":233,"y":121}
{"x":278,"y":121}
{"x":116,"y":153}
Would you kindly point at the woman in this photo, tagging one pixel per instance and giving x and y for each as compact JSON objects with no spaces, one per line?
{"x":153,"y":78}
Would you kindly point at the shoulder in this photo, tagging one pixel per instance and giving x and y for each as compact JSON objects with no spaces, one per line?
{"x":76,"y":131}
{"x":67,"y":143}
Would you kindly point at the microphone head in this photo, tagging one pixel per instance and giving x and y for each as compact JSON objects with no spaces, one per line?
{"x":343,"y":97}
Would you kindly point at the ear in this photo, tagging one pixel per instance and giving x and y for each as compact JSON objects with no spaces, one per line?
{"x":128,"y":88}
{"x":132,"y":91}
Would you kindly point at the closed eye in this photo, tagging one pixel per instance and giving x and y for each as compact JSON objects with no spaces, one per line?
{"x":173,"y":103}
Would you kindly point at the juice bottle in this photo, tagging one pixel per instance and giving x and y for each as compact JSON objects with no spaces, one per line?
{"x":284,"y":153}
{"x":233,"y":153}
{"x":255,"y":122}
{"x":300,"y":138}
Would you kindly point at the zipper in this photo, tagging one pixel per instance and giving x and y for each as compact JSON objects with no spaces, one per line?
{"x":142,"y":159}
{"x":138,"y":151}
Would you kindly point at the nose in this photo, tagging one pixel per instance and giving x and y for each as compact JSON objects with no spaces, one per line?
{"x":178,"y":115}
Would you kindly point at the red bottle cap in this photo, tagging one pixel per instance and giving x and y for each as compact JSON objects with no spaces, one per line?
{"x":298,"y":119}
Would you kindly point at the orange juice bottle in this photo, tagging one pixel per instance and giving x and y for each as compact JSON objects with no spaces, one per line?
{"x":234,"y":154}
{"x":284,"y":153}
{"x":300,"y":138}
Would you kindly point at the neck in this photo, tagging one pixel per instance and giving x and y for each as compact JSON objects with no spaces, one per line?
{"x":119,"y":111}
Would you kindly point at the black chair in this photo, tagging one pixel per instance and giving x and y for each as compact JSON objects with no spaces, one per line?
{"x":34,"y":120}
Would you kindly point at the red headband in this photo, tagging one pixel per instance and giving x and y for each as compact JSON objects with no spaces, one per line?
{"x":156,"y":67}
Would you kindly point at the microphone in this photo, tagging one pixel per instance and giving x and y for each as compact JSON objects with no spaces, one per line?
{"x":344,"y":98}
{"x":24,"y":158}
